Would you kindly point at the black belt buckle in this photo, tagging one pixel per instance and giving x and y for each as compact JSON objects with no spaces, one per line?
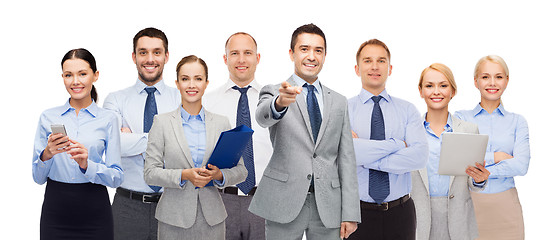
{"x":149,"y":198}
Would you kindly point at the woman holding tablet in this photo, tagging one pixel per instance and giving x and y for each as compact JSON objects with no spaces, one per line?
{"x":498,"y":209}
{"x":444,"y":208}
{"x":180,"y":143}
{"x":76,"y":203}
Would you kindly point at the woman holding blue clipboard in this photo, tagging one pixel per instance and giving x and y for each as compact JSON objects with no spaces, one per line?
{"x":180,"y":143}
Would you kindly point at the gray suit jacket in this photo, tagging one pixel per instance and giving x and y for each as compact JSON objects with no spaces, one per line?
{"x":285,"y":182}
{"x":168,"y":153}
{"x":462,"y":220}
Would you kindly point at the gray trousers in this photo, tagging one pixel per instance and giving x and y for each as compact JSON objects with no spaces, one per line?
{"x":241,"y":224}
{"x":307,"y":221}
{"x":439,"y":219}
{"x":200,"y":230}
{"x":133,"y":219}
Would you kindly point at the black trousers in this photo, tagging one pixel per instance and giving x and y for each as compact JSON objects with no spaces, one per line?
{"x":76,"y":211}
{"x":397,"y":223}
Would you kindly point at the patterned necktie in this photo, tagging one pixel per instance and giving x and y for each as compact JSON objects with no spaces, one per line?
{"x":313,"y":110}
{"x":378,"y":180}
{"x":148,"y":114}
{"x":243,"y":118}
{"x":150,"y":109}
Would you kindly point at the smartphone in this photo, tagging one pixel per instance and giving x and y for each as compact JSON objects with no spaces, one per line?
{"x":58,"y":128}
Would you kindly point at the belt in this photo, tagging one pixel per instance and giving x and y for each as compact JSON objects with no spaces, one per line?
{"x":144,"y":197}
{"x":234,"y":190}
{"x":384,"y":206}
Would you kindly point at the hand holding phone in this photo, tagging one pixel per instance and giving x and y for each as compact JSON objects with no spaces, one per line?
{"x":57,"y":142}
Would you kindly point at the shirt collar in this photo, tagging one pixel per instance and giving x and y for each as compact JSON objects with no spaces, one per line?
{"x":186,"y":117}
{"x":140,"y":86}
{"x":366,"y":96}
{"x":92,"y":109}
{"x":478,"y":109}
{"x":300,"y":82}
{"x":448,"y":127}
{"x":254,"y":85}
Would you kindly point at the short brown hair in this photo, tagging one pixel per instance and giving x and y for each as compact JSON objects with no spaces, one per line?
{"x":189,"y":59}
{"x":373,"y":42}
{"x":443,"y":69}
{"x":151,"y":32}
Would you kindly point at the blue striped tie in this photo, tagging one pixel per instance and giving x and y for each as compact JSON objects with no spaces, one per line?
{"x":378,"y":180}
{"x":243,"y":118}
{"x":148,"y":114}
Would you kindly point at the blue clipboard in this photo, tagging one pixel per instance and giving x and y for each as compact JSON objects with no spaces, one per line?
{"x":229,"y":148}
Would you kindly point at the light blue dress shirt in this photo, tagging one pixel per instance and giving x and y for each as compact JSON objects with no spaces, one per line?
{"x":438,"y":184}
{"x":195,"y":132}
{"x":402,"y":124}
{"x":300,"y":82}
{"x":508,"y":132}
{"x":97,"y":129}
{"x":129,"y":105}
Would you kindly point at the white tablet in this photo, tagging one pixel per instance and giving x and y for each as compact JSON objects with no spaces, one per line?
{"x":460,"y":150}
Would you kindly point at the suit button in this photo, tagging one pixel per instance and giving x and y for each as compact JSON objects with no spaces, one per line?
{"x":451,"y":197}
{"x":314,"y":155}
{"x":309,"y":176}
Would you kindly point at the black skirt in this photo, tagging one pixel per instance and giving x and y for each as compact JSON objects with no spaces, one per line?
{"x":76,"y":211}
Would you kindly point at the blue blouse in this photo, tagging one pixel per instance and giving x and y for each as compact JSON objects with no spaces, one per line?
{"x":508,"y":132}
{"x":97,"y":129}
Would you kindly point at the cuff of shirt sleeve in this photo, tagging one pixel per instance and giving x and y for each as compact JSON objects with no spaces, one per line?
{"x":276,"y":114}
{"x":220,"y":183}
{"x":481,"y":184}
{"x":90,"y":171}
{"x":399,"y":143}
{"x":183,"y":182}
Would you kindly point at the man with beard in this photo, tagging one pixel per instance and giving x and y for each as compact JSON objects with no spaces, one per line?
{"x":135,"y":202}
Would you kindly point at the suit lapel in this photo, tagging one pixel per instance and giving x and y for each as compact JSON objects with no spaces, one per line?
{"x":456,"y":128}
{"x":326,"y":109}
{"x":425,"y":178}
{"x":210,"y":136}
{"x":302,"y":107}
{"x":180,"y":137}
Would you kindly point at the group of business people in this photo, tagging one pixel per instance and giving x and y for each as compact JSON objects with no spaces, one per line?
{"x":327,"y":167}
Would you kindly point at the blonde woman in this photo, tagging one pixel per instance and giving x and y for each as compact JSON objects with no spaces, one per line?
{"x":444,"y":208}
{"x":498,"y":210}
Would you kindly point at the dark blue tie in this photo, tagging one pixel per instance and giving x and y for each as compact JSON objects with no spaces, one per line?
{"x":313,"y":111}
{"x":150,"y":109}
{"x":148,"y":114}
{"x":378,"y":180}
{"x":243,"y":118}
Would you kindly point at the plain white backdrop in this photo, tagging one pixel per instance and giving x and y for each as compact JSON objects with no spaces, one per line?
{"x":36,"y":34}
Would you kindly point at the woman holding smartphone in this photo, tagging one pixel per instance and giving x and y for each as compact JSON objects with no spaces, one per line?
{"x":444,"y":208}
{"x":76,"y":203}
{"x":180,"y":144}
{"x":498,"y":208}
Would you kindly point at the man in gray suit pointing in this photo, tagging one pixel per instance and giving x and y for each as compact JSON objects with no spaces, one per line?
{"x":310,"y":183}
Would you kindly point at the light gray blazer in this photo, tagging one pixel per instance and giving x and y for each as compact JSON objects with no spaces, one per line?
{"x":168,"y":153}
{"x":462,"y":220}
{"x":285,"y":182}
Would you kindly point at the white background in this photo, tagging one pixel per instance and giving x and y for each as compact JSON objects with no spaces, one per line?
{"x":35,"y":36}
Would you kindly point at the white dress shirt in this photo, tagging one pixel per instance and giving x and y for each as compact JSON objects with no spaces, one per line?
{"x":129,"y":104}
{"x":224,"y":101}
